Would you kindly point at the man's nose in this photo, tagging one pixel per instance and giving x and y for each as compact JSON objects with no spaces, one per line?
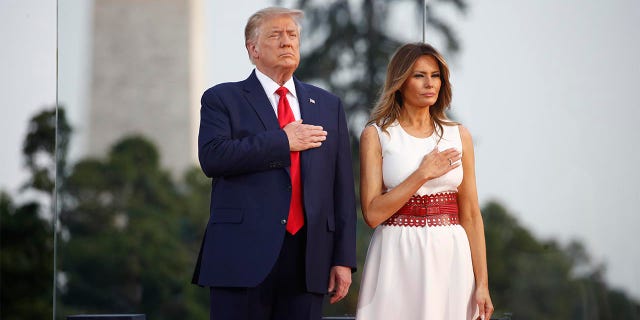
{"x":286,"y":40}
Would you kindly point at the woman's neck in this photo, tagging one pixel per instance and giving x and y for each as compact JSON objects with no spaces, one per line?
{"x":416,"y":118}
{"x":417,"y":121}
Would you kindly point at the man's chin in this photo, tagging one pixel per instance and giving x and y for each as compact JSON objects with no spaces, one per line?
{"x":289,"y":64}
{"x":290,"y":60}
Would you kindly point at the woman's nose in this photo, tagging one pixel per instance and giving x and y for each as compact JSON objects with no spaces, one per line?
{"x":428,"y":83}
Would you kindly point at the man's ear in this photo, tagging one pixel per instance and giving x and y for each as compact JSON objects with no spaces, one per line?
{"x":253,"y":50}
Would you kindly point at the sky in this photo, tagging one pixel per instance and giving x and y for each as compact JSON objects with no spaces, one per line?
{"x":27,"y":77}
{"x":548,"y":90}
{"x":546,"y":87}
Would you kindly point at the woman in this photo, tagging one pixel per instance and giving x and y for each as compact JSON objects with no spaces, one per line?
{"x":427,"y":256}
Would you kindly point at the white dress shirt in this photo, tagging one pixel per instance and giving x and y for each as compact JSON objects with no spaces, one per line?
{"x":270,"y":88}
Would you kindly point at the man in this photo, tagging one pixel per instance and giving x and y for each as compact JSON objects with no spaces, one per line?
{"x":281,"y":233}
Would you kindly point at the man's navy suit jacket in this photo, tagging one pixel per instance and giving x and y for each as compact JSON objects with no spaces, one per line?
{"x":242,"y":148}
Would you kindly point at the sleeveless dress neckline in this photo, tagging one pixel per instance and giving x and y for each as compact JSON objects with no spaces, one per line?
{"x":404,"y":131}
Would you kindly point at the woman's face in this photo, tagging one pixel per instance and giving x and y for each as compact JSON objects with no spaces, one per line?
{"x":423,"y":85}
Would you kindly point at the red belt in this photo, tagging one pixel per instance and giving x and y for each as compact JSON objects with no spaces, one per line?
{"x":440,"y":209}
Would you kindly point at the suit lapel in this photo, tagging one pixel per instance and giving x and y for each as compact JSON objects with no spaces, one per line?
{"x":308,"y":109}
{"x":258,"y":100}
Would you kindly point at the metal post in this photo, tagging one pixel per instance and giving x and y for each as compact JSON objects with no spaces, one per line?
{"x":56,"y":204}
{"x":424,"y":20}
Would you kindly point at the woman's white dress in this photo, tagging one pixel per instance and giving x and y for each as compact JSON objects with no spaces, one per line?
{"x":417,"y":273}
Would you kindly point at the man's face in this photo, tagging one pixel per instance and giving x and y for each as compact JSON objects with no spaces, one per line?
{"x":277,"y":47}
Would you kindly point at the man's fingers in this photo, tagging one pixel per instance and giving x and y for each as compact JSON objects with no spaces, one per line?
{"x":311,"y":127}
{"x":332,"y":281}
{"x":314,"y":133}
{"x":339,"y":294}
{"x":342,"y":293}
{"x":304,"y":136}
{"x":318,"y":137}
{"x":334,"y":288}
{"x":307,"y":126}
{"x":311,"y":136}
{"x":339,"y":281}
{"x":306,"y":130}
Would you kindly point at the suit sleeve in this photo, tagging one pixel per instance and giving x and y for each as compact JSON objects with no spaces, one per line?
{"x":226,"y":150}
{"x":344,"y":196}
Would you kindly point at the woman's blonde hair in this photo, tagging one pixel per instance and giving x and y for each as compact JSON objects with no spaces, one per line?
{"x":387,"y":109}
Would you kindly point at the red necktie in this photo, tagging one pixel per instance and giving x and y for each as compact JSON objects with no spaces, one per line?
{"x":295,"y":221}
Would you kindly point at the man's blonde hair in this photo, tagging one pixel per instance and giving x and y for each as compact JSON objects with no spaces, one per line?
{"x":252,"y":29}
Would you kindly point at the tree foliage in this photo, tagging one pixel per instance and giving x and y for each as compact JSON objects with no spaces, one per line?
{"x":45,"y":148}
{"x":534,"y":279}
{"x":130,"y":246}
{"x":347,"y":45}
{"x":26,"y":263}
{"x":26,"y":233}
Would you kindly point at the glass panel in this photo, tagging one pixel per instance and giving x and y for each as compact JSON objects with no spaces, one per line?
{"x":27,"y":164}
{"x":133,"y":204}
{"x":557,"y":206}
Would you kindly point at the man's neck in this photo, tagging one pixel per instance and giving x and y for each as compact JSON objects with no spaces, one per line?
{"x":278,"y":76}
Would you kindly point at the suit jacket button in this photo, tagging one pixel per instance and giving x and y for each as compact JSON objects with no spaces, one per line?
{"x":283,"y":221}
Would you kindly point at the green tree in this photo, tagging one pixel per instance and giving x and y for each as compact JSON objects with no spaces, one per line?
{"x":26,"y":262}
{"x":45,"y":149}
{"x":536,"y":279}
{"x":348,"y":44}
{"x":26,"y":236}
{"x":128,"y":247}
